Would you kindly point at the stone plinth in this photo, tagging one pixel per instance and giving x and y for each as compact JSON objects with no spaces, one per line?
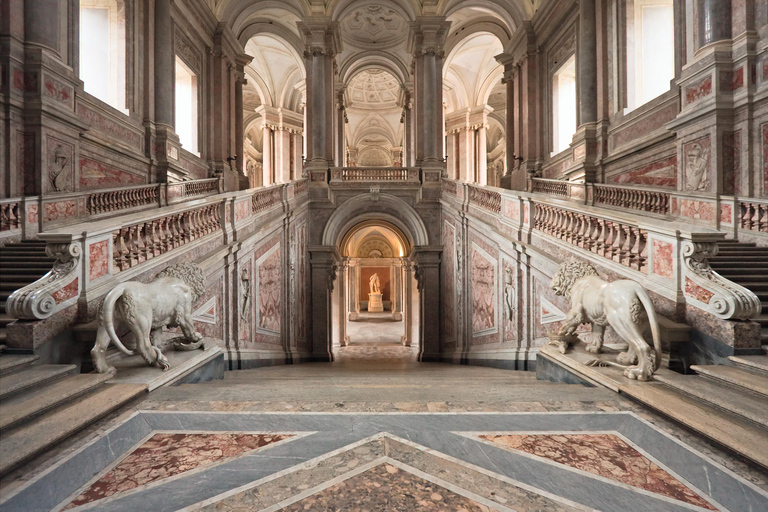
{"x":375,"y":304}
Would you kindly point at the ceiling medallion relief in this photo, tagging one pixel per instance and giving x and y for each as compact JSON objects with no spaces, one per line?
{"x":373,"y":26}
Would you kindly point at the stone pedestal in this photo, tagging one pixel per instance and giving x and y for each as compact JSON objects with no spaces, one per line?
{"x":375,"y":305}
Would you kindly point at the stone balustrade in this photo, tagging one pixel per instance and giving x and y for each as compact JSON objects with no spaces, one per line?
{"x":193,"y":189}
{"x":10,"y":215}
{"x":754,"y":215}
{"x":484,"y":198}
{"x":366,"y":175}
{"x":619,"y":241}
{"x":142,"y":241}
{"x":557,"y":188}
{"x":112,"y":200}
{"x":266,"y":198}
{"x":634,"y":198}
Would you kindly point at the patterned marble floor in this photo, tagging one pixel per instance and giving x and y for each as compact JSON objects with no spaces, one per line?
{"x":529,"y":446}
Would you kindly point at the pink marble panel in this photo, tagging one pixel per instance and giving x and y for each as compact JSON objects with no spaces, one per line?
{"x":66,"y":292}
{"x":765,"y":158}
{"x":605,"y":455}
{"x":107,"y":126}
{"x":94,"y":175}
{"x":699,"y":210}
{"x":60,"y":210}
{"x":662,"y":259}
{"x":98,"y":259}
{"x":661,"y":173}
{"x":732,"y":163}
{"x":643,"y":126}
{"x":301,"y":288}
{"x":726,"y":213}
{"x":59,"y":91}
{"x":166,"y":455}
{"x":697,"y":292}
{"x":270,"y":292}
{"x":526,"y":213}
{"x":242,"y":210}
{"x":698,"y":90}
{"x":32,"y":216}
{"x":511,"y":210}
{"x":483,"y":292}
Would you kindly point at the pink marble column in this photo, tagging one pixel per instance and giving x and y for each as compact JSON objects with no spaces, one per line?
{"x":466,"y":139}
{"x":267,"y":159}
{"x":482,"y":155}
{"x":282,"y":155}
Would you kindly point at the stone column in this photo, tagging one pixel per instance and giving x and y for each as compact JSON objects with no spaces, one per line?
{"x":282,"y":156}
{"x":451,"y":163}
{"x":426,"y":262}
{"x":408,"y":305}
{"x":397,"y":291}
{"x":482,"y":153}
{"x":297,"y":154}
{"x":341,"y":118}
{"x":342,"y":298}
{"x":713,"y":21}
{"x":509,"y":83}
{"x":427,"y":37}
{"x":267,"y":158}
{"x":240,"y":80}
{"x":586,"y":62}
{"x":165,"y":64}
{"x":42,"y":20}
{"x":322,"y":42}
{"x":466,"y":154}
{"x":354,"y":286}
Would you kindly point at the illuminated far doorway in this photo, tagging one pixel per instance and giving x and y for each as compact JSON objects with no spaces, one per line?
{"x":379,"y":295}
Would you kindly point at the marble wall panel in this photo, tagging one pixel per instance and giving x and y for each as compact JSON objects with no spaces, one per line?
{"x":697,"y":171}
{"x":698,"y":210}
{"x":449,"y":274}
{"x":661,"y":173}
{"x":269,"y":295}
{"x":663,"y":264}
{"x":302,"y":297}
{"x":484,"y":261}
{"x":698,"y":90}
{"x":98,"y":259}
{"x":243,"y":303}
{"x":59,"y":210}
{"x":764,"y":130}
{"x":95,"y":175}
{"x":732,"y":163}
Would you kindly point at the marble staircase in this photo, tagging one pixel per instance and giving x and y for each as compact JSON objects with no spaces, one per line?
{"x":746,"y":264}
{"x":41,"y":405}
{"x":725,"y":404}
{"x":21,"y":263}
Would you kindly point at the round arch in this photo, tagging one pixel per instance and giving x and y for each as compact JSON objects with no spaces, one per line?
{"x":344,"y":247}
{"x":387,"y":208}
{"x":373,"y":59}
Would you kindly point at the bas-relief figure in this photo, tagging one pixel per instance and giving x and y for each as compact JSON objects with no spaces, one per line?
{"x":145,"y":309}
{"x":375,"y":283}
{"x":696,"y":167}
{"x":623,"y":305}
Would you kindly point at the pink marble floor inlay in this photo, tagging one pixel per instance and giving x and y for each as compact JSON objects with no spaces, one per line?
{"x":166,"y":455}
{"x":386,"y":487}
{"x":605,"y":455}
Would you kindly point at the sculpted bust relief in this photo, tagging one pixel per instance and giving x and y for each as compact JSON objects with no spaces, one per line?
{"x":696,"y":168}
{"x":375,"y":284}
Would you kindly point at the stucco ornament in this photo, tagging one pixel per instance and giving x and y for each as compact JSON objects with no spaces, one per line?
{"x":697,"y":167}
{"x":623,"y":305}
{"x":145,"y":309}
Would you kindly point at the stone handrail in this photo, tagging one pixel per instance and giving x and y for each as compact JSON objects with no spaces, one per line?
{"x":621,"y":242}
{"x":104,"y":201}
{"x":669,"y":257}
{"x":195,"y":188}
{"x":300,"y":187}
{"x":10,"y":214}
{"x":557,"y":188}
{"x":485,"y":198}
{"x":404,"y":175}
{"x":142,"y":241}
{"x":753,"y":215}
{"x":91,"y":257}
{"x":634,"y":198}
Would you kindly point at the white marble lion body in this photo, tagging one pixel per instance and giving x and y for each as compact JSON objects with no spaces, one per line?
{"x":622,"y":304}
{"x":145,"y":309}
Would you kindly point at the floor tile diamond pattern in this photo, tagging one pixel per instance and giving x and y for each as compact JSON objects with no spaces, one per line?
{"x":606,"y":455}
{"x":165,"y":455}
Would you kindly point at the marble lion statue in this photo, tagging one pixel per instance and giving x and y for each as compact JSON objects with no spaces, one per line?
{"x":145,"y":309}
{"x":622,"y":304}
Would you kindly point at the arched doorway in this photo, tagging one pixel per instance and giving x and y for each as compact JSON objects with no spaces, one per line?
{"x":379,"y":293}
{"x":357,"y":229}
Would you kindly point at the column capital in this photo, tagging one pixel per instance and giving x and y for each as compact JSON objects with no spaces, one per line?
{"x":427,"y":35}
{"x":321,"y":36}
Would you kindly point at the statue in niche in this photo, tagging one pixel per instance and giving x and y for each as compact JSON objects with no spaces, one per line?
{"x":696,"y":165}
{"x":375,"y":284}
{"x":509,"y":293}
{"x":145,"y":309}
{"x":623,"y":305}
{"x":245,"y":293}
{"x":59,"y":169}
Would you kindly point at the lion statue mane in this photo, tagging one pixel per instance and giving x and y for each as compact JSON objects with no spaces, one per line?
{"x":623,"y":305}
{"x":145,"y":308}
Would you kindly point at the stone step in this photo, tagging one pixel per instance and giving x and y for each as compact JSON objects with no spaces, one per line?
{"x":12,"y":285}
{"x":738,"y":258}
{"x":24,"y":442}
{"x":33,"y":376}
{"x":16,"y":257}
{"x":734,"y":377}
{"x":757,"y":364}
{"x":753,"y":285}
{"x":5,"y":319}
{"x":750,"y":251}
{"x":24,"y":266}
{"x":11,"y":363}
{"x":22,"y":273}
{"x":744,"y":404}
{"x":24,"y":407}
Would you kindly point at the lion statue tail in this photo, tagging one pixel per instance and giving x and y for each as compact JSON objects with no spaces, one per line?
{"x":108,"y":317}
{"x":651,"y":312}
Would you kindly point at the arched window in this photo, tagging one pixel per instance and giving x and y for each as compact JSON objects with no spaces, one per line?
{"x":650,"y":49}
{"x":102,"y":50}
